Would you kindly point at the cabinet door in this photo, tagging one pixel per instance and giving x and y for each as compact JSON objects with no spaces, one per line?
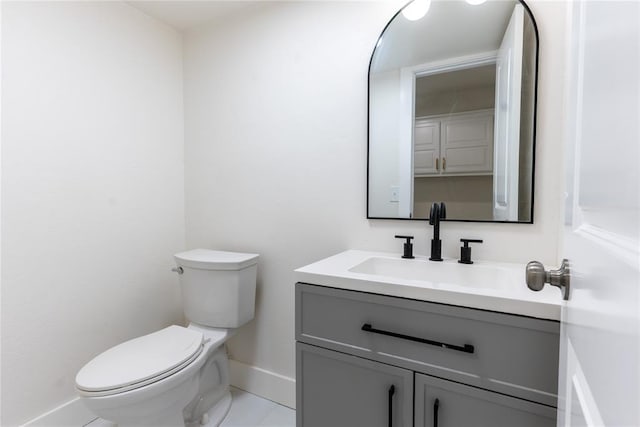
{"x":338,"y":390}
{"x":442,"y":403}
{"x":426,"y":147}
{"x":467,"y":144}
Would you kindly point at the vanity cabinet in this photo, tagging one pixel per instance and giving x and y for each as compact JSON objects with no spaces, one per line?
{"x":455,"y":144}
{"x":482,"y":367}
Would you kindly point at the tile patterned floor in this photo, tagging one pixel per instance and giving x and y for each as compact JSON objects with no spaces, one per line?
{"x":247,"y":410}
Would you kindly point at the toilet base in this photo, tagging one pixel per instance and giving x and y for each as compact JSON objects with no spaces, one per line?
{"x":213,"y":391}
{"x":216,"y":414}
{"x":133,"y":409}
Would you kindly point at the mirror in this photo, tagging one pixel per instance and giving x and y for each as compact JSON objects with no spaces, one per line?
{"x":452,"y":112}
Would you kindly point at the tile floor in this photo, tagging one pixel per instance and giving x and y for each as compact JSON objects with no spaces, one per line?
{"x":247,"y":410}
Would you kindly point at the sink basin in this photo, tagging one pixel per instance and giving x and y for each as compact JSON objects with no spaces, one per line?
{"x":448,"y":272}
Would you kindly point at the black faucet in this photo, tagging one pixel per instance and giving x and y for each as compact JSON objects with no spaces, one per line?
{"x":438,"y":212}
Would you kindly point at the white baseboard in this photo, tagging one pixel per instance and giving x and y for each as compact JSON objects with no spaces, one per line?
{"x":263,"y":383}
{"x":70,"y":414}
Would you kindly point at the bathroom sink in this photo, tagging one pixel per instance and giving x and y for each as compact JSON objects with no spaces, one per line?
{"x":448,"y":272}
{"x":486,"y":285}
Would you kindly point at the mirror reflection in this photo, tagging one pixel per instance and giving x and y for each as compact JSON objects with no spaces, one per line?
{"x":452,"y":93}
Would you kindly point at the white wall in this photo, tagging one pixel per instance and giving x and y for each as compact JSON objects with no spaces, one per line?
{"x":92,"y":190}
{"x":275,"y":153}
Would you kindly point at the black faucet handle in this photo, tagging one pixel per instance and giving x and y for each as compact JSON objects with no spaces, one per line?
{"x":443,"y":211}
{"x":467,"y":241}
{"x":465,"y":251}
{"x":408,"y":246}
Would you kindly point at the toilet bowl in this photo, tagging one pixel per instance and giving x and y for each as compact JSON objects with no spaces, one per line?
{"x":178,"y":376}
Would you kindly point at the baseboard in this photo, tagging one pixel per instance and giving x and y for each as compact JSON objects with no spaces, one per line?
{"x":263,"y":383}
{"x":73,"y":413}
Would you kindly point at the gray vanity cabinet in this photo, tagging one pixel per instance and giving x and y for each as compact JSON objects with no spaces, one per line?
{"x":346,"y":391}
{"x":495,"y":369}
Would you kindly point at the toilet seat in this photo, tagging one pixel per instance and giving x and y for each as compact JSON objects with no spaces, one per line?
{"x":140,"y":361}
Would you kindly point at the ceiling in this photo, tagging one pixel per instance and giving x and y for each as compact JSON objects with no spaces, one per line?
{"x":451,"y":28}
{"x":186,"y":14}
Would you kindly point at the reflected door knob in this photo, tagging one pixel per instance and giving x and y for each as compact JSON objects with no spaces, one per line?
{"x":537,"y":276}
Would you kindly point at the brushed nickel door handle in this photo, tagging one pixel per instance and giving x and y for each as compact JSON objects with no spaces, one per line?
{"x":537,"y":276}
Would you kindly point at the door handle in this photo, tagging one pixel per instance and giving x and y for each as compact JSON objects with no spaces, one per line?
{"x":537,"y":276}
{"x":436,"y":407}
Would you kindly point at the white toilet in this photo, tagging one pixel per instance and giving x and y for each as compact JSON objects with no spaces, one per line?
{"x":178,"y":376}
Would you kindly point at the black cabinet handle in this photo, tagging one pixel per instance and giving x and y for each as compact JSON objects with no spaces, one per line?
{"x":392,"y":390}
{"x":466,"y":348}
{"x":436,"y":406}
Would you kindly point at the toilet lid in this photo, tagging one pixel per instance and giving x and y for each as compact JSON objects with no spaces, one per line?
{"x":207,"y":259}
{"x":140,"y":361}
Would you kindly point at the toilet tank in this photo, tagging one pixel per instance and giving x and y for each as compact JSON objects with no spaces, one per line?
{"x":218,"y":287}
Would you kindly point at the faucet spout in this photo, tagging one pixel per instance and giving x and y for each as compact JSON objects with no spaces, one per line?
{"x":438,"y":212}
{"x":434,"y":219}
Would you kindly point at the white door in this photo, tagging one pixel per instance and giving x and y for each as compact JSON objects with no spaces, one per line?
{"x":600,"y":339}
{"x":507,"y":119}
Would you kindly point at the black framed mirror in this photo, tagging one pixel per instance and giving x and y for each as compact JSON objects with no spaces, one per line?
{"x":452,"y":112}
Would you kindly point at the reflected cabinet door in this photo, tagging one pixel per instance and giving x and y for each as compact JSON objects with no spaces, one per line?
{"x":426,"y":156}
{"x":339,"y":390}
{"x":467,"y":143}
{"x":442,"y":403}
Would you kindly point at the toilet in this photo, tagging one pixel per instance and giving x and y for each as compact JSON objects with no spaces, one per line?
{"x":178,"y":376}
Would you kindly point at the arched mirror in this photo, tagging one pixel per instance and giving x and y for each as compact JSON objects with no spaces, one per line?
{"x":452,"y":112}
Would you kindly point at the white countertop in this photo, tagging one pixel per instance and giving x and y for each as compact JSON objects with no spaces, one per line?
{"x":511,"y":295}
